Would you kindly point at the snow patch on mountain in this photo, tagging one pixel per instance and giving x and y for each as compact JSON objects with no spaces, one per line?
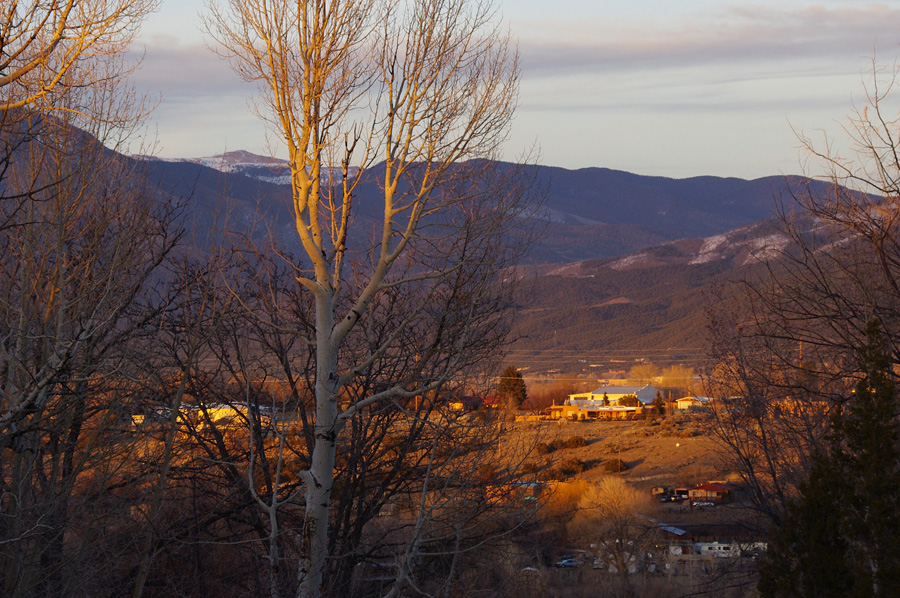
{"x":234,"y":161}
{"x":711,"y":249}
{"x":572,"y":270}
{"x":638,"y":260}
{"x":766,"y":248}
{"x":263,"y":168}
{"x":559,"y":217}
{"x":742,"y":246}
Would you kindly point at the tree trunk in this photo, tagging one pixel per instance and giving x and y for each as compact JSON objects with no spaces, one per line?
{"x":320,"y":477}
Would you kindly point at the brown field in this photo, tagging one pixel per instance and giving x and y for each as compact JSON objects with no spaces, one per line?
{"x":677,"y":451}
{"x":672,"y":451}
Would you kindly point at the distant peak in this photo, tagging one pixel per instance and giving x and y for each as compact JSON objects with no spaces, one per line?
{"x":231,"y":160}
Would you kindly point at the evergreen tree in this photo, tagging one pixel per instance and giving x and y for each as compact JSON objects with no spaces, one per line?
{"x":807,"y":552}
{"x":511,"y":391}
{"x":629,"y":401}
{"x":659,"y":404}
{"x":842,"y":536}
{"x":865,"y":443}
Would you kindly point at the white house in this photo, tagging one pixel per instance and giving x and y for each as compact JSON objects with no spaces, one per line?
{"x":645,"y":395}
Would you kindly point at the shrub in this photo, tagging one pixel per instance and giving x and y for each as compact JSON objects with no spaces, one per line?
{"x":615,"y":465}
{"x":531,"y":467}
{"x":542,"y":448}
{"x":567,"y":469}
{"x":572,"y":466}
{"x":575,"y":442}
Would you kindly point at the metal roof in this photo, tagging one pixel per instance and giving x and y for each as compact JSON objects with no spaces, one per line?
{"x":618,"y":390}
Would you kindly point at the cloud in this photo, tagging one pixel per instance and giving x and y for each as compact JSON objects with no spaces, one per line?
{"x":736,"y":35}
{"x":203,"y":107}
{"x":700,"y":106}
{"x":186,"y":72}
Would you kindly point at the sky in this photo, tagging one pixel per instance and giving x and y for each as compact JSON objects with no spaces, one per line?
{"x":675,"y":89}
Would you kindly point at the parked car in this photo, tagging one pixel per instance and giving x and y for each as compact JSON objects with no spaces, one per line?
{"x":704,"y":503}
{"x":568,"y":563}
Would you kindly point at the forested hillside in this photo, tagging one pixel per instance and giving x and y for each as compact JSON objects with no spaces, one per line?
{"x":591,"y":213}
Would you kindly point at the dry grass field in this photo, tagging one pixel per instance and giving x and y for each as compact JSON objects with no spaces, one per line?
{"x":672,"y":451}
{"x":678,"y":451}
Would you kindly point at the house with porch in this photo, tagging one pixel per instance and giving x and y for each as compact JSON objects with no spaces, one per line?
{"x":614,"y":394}
{"x":604,"y":403}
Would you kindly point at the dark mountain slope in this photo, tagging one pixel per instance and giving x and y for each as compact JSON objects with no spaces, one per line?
{"x":658,"y":307}
{"x":599,"y":213}
{"x":647,"y":305}
{"x":219,"y":200}
{"x":692,"y":207}
{"x":590,"y":213}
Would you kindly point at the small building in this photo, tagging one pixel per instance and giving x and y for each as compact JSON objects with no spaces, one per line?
{"x":592,"y":411}
{"x":689,"y":402}
{"x":715,"y":492}
{"x":604,"y":403}
{"x":700,"y":548}
{"x":466,"y":403}
{"x":718,"y":549}
{"x":490,"y":403}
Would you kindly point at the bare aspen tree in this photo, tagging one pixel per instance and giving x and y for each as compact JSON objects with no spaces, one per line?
{"x":377,"y":101}
{"x":83,"y":237}
{"x":787,"y":340}
{"x":63,"y":56}
{"x":79,"y":258}
{"x":610,"y":517}
{"x":48,"y":46}
{"x":63,"y":97}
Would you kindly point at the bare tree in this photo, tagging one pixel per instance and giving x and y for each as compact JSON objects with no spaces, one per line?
{"x":79,"y":208}
{"x":785,"y":339}
{"x":78,"y":271}
{"x":426,"y":88}
{"x":63,"y":56}
{"x":49,"y":46}
{"x":643,"y":373}
{"x":384,"y":456}
{"x":84,"y":237}
{"x":610,"y":516}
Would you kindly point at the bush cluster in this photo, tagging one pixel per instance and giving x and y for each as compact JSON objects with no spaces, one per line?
{"x":615,"y":465}
{"x":545,"y":448}
{"x":567,"y":469}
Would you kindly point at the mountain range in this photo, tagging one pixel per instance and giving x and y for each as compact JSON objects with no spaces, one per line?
{"x":590,"y":213}
{"x":618,"y":275}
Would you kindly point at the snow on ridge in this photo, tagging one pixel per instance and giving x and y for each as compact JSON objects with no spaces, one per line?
{"x":766,"y":248}
{"x":631,"y":261}
{"x":560,"y":217}
{"x":239,"y":158}
{"x":151,"y":158}
{"x":263,"y":168}
{"x":572,"y":269}
{"x":775,"y":240}
{"x":240,"y":161}
{"x":711,"y":249}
